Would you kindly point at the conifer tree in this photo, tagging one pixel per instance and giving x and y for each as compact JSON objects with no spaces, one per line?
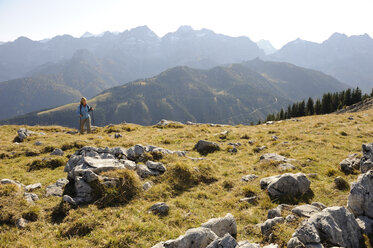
{"x":309,"y":107}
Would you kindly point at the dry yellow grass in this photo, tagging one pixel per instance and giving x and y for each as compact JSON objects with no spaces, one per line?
{"x":318,"y":143}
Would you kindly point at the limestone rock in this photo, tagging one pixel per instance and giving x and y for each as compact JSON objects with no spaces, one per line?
{"x":204,"y":147}
{"x":266,"y":227}
{"x":117,"y":136}
{"x":333,"y":225}
{"x":348,"y":165}
{"x":57,"y":152}
{"x":21,"y":223}
{"x":38,"y":143}
{"x":250,"y":200}
{"x":286,"y":166}
{"x":249,"y":178}
{"x":247,"y":244}
{"x":146,"y":186}
{"x":56,"y":189}
{"x":360,"y":199}
{"x":32,"y":187}
{"x":286,"y":184}
{"x":305,"y":210}
{"x":23,"y":133}
{"x":366,"y":162}
{"x":221,"y":226}
{"x":160,"y":208}
{"x":225,"y":242}
{"x":199,"y":237}
{"x":10,"y":181}
{"x":157,"y":166}
{"x":274,"y":157}
{"x":31,"y":197}
{"x":275,"y":212}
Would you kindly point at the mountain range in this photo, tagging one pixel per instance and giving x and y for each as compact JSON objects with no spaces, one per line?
{"x":349,"y":59}
{"x":235,"y":93}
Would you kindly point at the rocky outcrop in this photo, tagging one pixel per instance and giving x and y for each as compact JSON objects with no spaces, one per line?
{"x":32,"y":187}
{"x":85,"y":166}
{"x":350,"y":164}
{"x":360,"y":199}
{"x":307,"y":210}
{"x":286,"y":185}
{"x":10,"y":181}
{"x":366,"y":162}
{"x":23,"y":133}
{"x":227,"y":242}
{"x":57,"y":152}
{"x":205,"y":147}
{"x":266,"y":227}
{"x":221,"y":226}
{"x":334,"y":226}
{"x":56,"y":189}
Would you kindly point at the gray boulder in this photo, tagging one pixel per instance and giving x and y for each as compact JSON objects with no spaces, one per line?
{"x":57,"y":152}
{"x":350,"y":164}
{"x":251,"y":200}
{"x":305,"y":210}
{"x":286,"y":166}
{"x":23,"y":133}
{"x":225,"y":242}
{"x":266,"y":227}
{"x":32,"y":187}
{"x":199,"y":237}
{"x":160,"y":208}
{"x":286,"y":184}
{"x":146,"y":186}
{"x":157,"y":166}
{"x":333,"y":225}
{"x":31,"y":197}
{"x":221,"y":226}
{"x":366,"y":162}
{"x":247,"y":244}
{"x":274,"y":212}
{"x":274,"y":157}
{"x":56,"y":189}
{"x":205,"y":147}
{"x":360,"y":199}
{"x":10,"y":181}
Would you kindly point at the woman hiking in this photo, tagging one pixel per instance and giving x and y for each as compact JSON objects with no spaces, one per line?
{"x":83,"y":112}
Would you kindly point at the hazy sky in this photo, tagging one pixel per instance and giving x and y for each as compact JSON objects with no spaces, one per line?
{"x":278,"y":21}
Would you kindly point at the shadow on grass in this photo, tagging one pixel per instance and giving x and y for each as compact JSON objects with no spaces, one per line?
{"x":295,"y":200}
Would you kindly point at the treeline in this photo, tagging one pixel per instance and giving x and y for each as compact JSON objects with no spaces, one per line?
{"x":330,"y":102}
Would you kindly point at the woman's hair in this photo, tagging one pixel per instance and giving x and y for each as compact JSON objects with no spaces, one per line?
{"x":81,"y":100}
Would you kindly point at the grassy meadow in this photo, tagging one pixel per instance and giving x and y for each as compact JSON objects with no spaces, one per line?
{"x":317,"y":143}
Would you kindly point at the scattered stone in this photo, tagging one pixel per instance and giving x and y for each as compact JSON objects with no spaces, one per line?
{"x":205,"y":147}
{"x":274,"y":212}
{"x":249,"y":178}
{"x":274,"y":157}
{"x":235,"y":144}
{"x":246,"y":244}
{"x":143,"y":171}
{"x":31,"y":197}
{"x":270,"y":122}
{"x":223,"y":135}
{"x":56,"y":189}
{"x":286,"y":185}
{"x":57,"y":152}
{"x":274,"y":138}
{"x":69,"y":199}
{"x":366,"y":162}
{"x":221,"y":226}
{"x":350,"y":164}
{"x":360,"y":199}
{"x":23,"y":133}
{"x":251,"y":142}
{"x":266,"y":227}
{"x":146,"y":186}
{"x":341,"y":183}
{"x":160,"y":208}
{"x":21,"y":223}
{"x":42,"y":133}
{"x":286,"y":166}
{"x":157,"y":166}
{"x":305,"y":210}
{"x":233,"y":150}
{"x":9,"y":181}
{"x":193,"y":238}
{"x":318,"y":205}
{"x":227,"y":242}
{"x":164,"y":122}
{"x":38,"y":143}
{"x":333,"y":225}
{"x":32,"y":187}
{"x":251,"y":200}
{"x":350,"y":118}
{"x":196,"y":159}
{"x":271,"y":246}
{"x":117,"y":135}
{"x":312,"y":175}
{"x":259,"y":148}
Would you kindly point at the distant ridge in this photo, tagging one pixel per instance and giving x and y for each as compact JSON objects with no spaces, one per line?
{"x":236,"y":93}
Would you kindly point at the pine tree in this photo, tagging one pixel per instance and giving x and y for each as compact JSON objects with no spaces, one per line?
{"x":371,"y":94}
{"x":318,"y":107}
{"x":347,"y":98}
{"x":309,"y":107}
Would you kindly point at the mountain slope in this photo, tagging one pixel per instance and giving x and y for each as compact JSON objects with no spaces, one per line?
{"x":20,"y":96}
{"x":238,"y":93}
{"x":349,"y":59}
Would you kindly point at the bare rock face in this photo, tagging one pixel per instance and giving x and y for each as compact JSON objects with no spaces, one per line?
{"x":286,"y":184}
{"x":360,"y":199}
{"x":334,"y":225}
{"x":221,"y":226}
{"x":205,"y":147}
{"x":366,"y":162}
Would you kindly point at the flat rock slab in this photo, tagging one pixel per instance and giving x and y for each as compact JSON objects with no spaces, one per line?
{"x":305,"y":210}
